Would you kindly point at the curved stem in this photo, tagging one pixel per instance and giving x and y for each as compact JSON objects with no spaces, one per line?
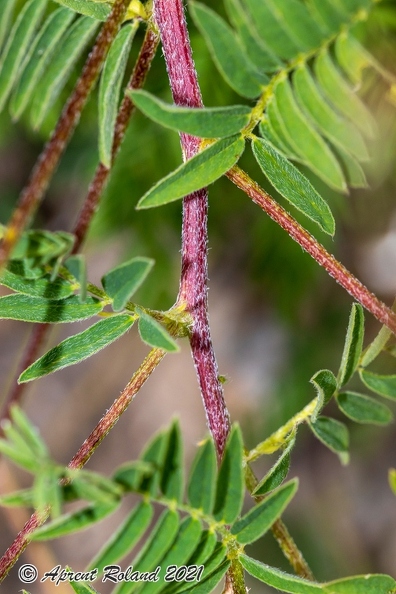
{"x":345,"y":278}
{"x":49,"y":158}
{"x":169,"y":16}
{"x":89,"y":446}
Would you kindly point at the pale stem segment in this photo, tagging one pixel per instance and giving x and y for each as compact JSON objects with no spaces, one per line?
{"x":169,"y":17}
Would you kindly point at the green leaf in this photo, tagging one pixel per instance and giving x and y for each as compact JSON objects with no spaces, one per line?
{"x":155,"y":335}
{"x":327,"y":14}
{"x":332,"y":434}
{"x":94,"y":487}
{"x":292,"y":184}
{"x":110,"y":87}
{"x":79,"y":347}
{"x":352,"y":57}
{"x":19,"y":457}
{"x":196,"y":173}
{"x":279,"y":579}
{"x":29,"y":433}
{"x":325,"y":384}
{"x":31,"y":309}
{"x":261,"y":517}
{"x":124,"y":280}
{"x":363,"y":409}
{"x":228,"y":53}
{"x":353,"y":345}
{"x":277,"y":473}
{"x":22,"y":498}
{"x":75,"y":522}
{"x":260,"y":54}
{"x":171,"y":482}
{"x":272,"y":29}
{"x":131,"y":474}
{"x":47,"y":491}
{"x":17,"y":46}
{"x":392,"y":479}
{"x":184,"y":544}
{"x":362,"y":584}
{"x":202,"y":481}
{"x":91,"y":8}
{"x":154,"y":454}
{"x":295,"y":19}
{"x":83,"y":588}
{"x":385,"y":385}
{"x":353,"y":171}
{"x":43,"y":287}
{"x":341,"y":95}
{"x":337,"y":129}
{"x":77,"y":267}
{"x":208,"y":584}
{"x":212,"y":122}
{"x":62,"y":63}
{"x":352,"y":7}
{"x":5,"y":20}
{"x":278,"y":132}
{"x":44,"y":46}
{"x":125,"y":537}
{"x":305,"y":140}
{"x":230,"y":481}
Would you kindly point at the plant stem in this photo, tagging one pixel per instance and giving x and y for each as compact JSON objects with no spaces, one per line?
{"x":169,"y":16}
{"x":345,"y":278}
{"x":49,"y":158}
{"x":91,"y":203}
{"x":89,"y":446}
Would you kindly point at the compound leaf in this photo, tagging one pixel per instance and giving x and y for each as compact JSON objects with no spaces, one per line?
{"x":214,"y":122}
{"x":110,"y":87}
{"x":79,"y":347}
{"x":171,"y":482}
{"x":297,"y":22}
{"x":363,"y":409}
{"x":261,"y":517}
{"x":292,"y":184}
{"x":5,"y":20}
{"x":202,"y":483}
{"x":228,"y":53}
{"x":196,"y":173}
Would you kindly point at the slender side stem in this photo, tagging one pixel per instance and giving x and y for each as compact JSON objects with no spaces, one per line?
{"x":345,"y":278}
{"x":89,"y":446}
{"x":98,"y":184}
{"x":169,"y":16}
{"x":91,"y":203}
{"x":49,"y":158}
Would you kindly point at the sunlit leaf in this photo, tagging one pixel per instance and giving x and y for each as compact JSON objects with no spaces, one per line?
{"x":292,"y":184}
{"x":196,"y":173}
{"x":79,"y":347}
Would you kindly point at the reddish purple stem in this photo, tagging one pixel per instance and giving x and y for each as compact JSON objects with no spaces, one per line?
{"x":169,"y":16}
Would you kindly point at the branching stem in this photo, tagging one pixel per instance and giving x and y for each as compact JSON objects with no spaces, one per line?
{"x":169,"y":16}
{"x":345,"y":278}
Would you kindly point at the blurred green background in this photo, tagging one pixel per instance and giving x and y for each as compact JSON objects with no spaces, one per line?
{"x":277,"y":317}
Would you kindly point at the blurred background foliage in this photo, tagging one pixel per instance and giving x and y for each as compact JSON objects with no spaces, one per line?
{"x":291,"y":317}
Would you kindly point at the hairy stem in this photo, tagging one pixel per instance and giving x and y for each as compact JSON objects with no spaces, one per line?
{"x":91,"y":203}
{"x":49,"y":158}
{"x":170,"y":20}
{"x":345,"y":278}
{"x":89,"y":446}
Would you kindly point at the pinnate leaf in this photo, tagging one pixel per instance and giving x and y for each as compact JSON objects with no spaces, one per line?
{"x":5,"y":20}
{"x":294,"y":17}
{"x":208,"y":122}
{"x":171,"y":483}
{"x":230,"y":482}
{"x":363,"y":409}
{"x":209,"y":583}
{"x":196,"y":173}
{"x":202,"y":483}
{"x":124,"y":280}
{"x":292,"y":184}
{"x":17,"y":46}
{"x":261,"y":517}
{"x":385,"y":385}
{"x":110,"y":86}
{"x":334,"y":435}
{"x":353,"y":345}
{"x":155,"y":335}
{"x":79,"y":347}
{"x":227,"y":52}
